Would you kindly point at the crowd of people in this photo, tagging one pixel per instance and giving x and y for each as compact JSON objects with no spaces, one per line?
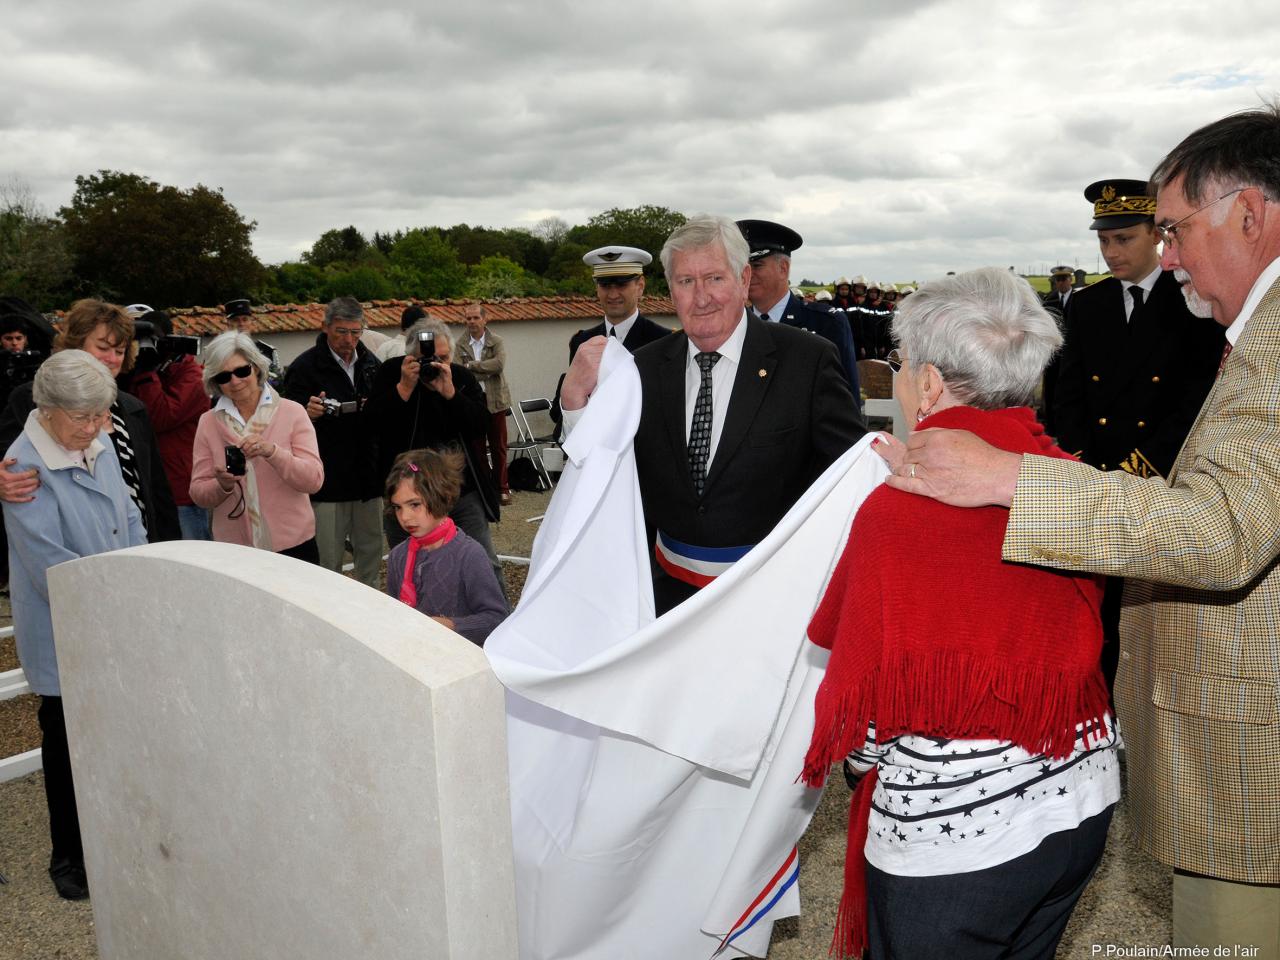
{"x":969,"y":699}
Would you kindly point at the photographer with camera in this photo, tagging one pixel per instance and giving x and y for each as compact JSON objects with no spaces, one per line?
{"x":167,"y":378}
{"x":333,"y":380}
{"x":424,"y":400}
{"x":256,"y":461}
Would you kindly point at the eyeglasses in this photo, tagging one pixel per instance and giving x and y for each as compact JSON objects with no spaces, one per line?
{"x":242,"y":373}
{"x":85,"y":420}
{"x":1169,"y":234}
{"x":346,"y":333}
{"x":895,"y":360}
{"x":614,"y":281}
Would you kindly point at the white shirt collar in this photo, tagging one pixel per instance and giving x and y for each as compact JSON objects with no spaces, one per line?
{"x":227,"y":404}
{"x":779,"y":308}
{"x":1147,"y":283}
{"x":348,"y":368}
{"x":54,"y":454}
{"x":1256,"y":293}
{"x":622,"y":329}
{"x":731,"y":349}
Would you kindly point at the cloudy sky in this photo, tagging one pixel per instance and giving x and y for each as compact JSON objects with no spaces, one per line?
{"x":902,"y":139}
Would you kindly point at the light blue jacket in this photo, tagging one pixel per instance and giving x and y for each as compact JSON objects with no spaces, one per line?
{"x":75,"y":513}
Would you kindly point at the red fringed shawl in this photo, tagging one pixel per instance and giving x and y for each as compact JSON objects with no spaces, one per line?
{"x":931,"y":633}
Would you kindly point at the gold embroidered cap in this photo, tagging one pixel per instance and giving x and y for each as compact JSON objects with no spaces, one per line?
{"x":1120,"y":203}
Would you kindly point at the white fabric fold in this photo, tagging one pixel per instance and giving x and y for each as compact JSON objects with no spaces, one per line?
{"x":653,"y":763}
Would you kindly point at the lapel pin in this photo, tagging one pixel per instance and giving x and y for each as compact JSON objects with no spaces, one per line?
{"x":762,"y":372}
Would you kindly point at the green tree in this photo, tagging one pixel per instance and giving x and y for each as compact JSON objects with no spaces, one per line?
{"x":132,"y":239}
{"x":34,"y":261}
{"x":363,"y":282}
{"x":424,"y":265}
{"x":645,"y":227}
{"x":344,"y":246}
{"x":292,"y":283}
{"x":498,"y":277}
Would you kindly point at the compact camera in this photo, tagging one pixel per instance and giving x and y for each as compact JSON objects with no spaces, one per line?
{"x":335,"y":408}
{"x":235,"y":461}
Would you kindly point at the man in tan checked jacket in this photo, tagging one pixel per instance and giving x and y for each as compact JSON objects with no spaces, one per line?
{"x":1198,"y":692}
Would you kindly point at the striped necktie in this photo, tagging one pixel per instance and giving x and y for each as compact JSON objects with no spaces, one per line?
{"x":121,"y":440}
{"x":700,"y":426}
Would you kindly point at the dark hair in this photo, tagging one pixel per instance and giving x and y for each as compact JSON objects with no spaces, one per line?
{"x":411,"y":316}
{"x":1240,"y":150}
{"x":85,"y":316}
{"x":435,"y":474}
{"x":12,"y":323}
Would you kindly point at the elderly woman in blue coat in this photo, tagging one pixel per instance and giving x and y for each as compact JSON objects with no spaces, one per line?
{"x":83,"y":507}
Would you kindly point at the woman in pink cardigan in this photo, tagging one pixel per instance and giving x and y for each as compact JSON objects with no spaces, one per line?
{"x":260,"y":490}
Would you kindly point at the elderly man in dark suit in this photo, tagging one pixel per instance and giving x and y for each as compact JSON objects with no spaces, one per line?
{"x":739,"y":417}
{"x":771,"y":247}
{"x":1197,"y":692}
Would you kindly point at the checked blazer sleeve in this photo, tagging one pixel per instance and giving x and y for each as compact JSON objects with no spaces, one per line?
{"x":1198,"y":691}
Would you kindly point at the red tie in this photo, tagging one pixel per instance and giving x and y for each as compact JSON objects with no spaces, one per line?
{"x":1226,"y":352}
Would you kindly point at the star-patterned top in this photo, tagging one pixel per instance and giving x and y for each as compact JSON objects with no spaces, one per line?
{"x":953,"y":806}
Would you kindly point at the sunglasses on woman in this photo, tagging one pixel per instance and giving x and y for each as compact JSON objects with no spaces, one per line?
{"x":242,"y":373}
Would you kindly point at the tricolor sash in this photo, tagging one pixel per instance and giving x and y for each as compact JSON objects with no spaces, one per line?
{"x":696,"y":566}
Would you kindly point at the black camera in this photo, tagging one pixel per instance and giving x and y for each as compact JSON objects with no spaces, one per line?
{"x":155,"y":349}
{"x":16,"y":368}
{"x":335,"y":408}
{"x":235,"y":461}
{"x":427,"y":354}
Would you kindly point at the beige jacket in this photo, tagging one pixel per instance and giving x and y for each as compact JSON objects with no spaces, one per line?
{"x":1198,"y":692}
{"x":488,"y":369}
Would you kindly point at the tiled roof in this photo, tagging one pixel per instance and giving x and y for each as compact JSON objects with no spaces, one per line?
{"x":279,"y":318}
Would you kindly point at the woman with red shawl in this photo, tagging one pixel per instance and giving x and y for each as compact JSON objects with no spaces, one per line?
{"x":963,"y":693}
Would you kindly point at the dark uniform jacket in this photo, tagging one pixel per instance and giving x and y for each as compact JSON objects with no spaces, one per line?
{"x":157,"y":498}
{"x":643,"y":331}
{"x":830,"y":326}
{"x":789,"y":417}
{"x":346,"y":443}
{"x":1126,"y":394}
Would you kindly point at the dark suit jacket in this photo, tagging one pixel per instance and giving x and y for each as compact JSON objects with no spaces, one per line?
{"x":790,"y":415}
{"x":1127,"y":393}
{"x":162,"y":513}
{"x":643,"y":331}
{"x":833,"y":327}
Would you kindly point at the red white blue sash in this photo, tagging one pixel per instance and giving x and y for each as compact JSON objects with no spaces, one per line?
{"x":696,"y":566}
{"x":765,"y":900}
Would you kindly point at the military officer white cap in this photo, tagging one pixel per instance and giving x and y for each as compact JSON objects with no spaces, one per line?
{"x":617,"y":261}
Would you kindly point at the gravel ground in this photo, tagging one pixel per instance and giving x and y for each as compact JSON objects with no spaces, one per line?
{"x":1127,"y":904}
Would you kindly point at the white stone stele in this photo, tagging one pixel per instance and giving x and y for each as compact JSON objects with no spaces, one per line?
{"x":274,"y":761}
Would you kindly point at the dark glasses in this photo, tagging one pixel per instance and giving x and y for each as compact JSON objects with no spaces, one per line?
{"x":223,"y":378}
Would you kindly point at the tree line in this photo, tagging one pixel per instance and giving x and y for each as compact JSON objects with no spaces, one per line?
{"x":127,"y":238}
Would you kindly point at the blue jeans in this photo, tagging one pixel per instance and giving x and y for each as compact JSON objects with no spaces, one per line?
{"x":194,"y":522}
{"x":1015,"y":910}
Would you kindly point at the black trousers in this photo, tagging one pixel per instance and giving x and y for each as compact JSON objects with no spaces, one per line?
{"x":306,"y":550}
{"x":1015,"y":911}
{"x":59,"y":791}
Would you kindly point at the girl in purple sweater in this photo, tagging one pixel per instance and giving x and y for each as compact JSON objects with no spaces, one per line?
{"x":439,"y":570}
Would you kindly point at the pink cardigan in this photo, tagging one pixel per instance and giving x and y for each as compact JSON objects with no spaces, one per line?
{"x":285,"y":479}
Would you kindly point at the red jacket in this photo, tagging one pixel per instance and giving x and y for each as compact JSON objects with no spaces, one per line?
{"x":175,"y":401}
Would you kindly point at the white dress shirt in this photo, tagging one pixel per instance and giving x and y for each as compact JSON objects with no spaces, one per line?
{"x":348,"y":368}
{"x":1148,"y":283}
{"x":722,"y":375}
{"x":775,"y":313}
{"x":1256,"y":293}
{"x":620,"y":330}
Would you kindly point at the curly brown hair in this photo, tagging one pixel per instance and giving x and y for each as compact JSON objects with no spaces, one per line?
{"x":435,"y":474}
{"x":85,"y":316}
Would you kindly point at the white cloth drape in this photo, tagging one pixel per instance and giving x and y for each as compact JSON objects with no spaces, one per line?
{"x":653,"y":763}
